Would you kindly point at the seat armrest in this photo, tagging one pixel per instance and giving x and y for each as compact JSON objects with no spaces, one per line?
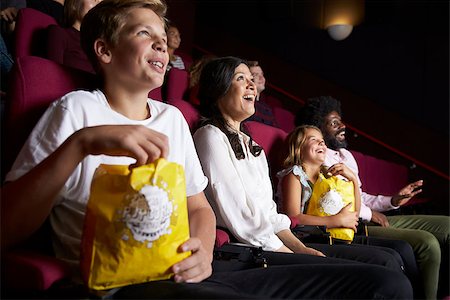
{"x":22,"y":269}
{"x":221,"y":238}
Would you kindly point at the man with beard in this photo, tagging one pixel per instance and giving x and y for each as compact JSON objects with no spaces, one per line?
{"x":428,"y":235}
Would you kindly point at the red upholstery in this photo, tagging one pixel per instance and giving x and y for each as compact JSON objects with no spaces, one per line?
{"x":156,"y":94}
{"x":187,"y":59}
{"x":177,"y":84}
{"x":189,"y":112}
{"x":272,"y":140}
{"x":35,"y":83}
{"x":380,"y":176}
{"x":32,"y":271}
{"x":30,"y":33}
{"x":222,"y":238}
{"x":285,"y":118}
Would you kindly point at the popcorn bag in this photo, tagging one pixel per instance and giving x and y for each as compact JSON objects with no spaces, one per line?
{"x":135,"y":222}
{"x":328,"y":197}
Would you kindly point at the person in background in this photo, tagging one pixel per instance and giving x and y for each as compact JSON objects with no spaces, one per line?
{"x":8,"y":14}
{"x":194,"y":76}
{"x":173,"y":43}
{"x":63,"y":43}
{"x":263,"y":109}
{"x":53,"y":8}
{"x":426,"y":234}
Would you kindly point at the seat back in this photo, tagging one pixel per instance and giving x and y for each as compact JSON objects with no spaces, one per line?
{"x":380,"y":177}
{"x":285,"y":118}
{"x":189,"y":112}
{"x":30,"y":33}
{"x":177,"y":83}
{"x":156,"y":94}
{"x":34,"y":83}
{"x":272,"y":140}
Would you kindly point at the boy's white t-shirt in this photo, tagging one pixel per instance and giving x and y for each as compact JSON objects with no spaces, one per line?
{"x":81,"y":109}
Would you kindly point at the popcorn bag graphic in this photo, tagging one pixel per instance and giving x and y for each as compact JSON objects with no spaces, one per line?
{"x":135,"y":222}
{"x":328,"y":197}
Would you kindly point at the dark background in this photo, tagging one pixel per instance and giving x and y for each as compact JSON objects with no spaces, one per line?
{"x":391,"y":74}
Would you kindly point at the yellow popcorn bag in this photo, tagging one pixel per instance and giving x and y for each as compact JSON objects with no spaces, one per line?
{"x":328,"y":197}
{"x":135,"y":222}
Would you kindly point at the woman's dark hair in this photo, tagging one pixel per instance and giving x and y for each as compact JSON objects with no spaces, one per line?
{"x":215,"y":81}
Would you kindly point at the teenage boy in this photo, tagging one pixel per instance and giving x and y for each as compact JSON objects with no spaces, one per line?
{"x":126,"y":42}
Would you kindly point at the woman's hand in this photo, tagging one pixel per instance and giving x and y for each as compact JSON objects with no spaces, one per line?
{"x":311,"y":251}
{"x":196,"y":267}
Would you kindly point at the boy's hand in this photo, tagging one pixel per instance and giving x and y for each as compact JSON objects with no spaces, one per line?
{"x":139,"y":142}
{"x":196,"y":267}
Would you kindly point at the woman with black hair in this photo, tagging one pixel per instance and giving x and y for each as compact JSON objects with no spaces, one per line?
{"x":240,"y":190}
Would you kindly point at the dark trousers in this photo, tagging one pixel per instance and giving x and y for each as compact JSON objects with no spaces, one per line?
{"x":316,"y":278}
{"x":406,"y":253}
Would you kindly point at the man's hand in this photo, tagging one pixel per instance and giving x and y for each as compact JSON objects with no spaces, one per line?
{"x":196,"y":267}
{"x":9,"y":14}
{"x":406,"y":193}
{"x":379,"y":218}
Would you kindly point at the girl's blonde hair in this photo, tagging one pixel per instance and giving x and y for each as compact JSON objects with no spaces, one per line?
{"x":296,"y":139}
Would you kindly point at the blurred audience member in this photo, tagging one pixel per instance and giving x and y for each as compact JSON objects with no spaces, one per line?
{"x":173,"y":43}
{"x":63,"y":44}
{"x":53,"y":8}
{"x":8,"y":14}
{"x":264,"y":112}
{"x":194,"y":76}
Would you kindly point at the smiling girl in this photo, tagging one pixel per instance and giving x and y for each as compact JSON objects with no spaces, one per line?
{"x":302,"y":168}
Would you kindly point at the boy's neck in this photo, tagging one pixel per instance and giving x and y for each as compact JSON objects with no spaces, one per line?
{"x":132,"y":105}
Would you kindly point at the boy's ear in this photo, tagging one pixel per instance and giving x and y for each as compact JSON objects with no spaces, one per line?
{"x":102,"y":51}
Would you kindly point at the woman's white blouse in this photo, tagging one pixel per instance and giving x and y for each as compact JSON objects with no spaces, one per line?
{"x":240,"y":191}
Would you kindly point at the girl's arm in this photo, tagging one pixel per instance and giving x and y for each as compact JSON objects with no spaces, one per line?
{"x":343,"y":170}
{"x":292,"y":191}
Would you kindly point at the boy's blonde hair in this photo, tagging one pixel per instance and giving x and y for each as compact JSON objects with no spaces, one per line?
{"x":296,"y":139}
{"x":106,"y":19}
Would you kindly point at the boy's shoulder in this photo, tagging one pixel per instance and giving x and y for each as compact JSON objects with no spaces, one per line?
{"x":165,"y":107}
{"x":81,"y":98}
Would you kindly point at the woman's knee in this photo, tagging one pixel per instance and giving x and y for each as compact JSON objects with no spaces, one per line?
{"x":393,"y":285}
